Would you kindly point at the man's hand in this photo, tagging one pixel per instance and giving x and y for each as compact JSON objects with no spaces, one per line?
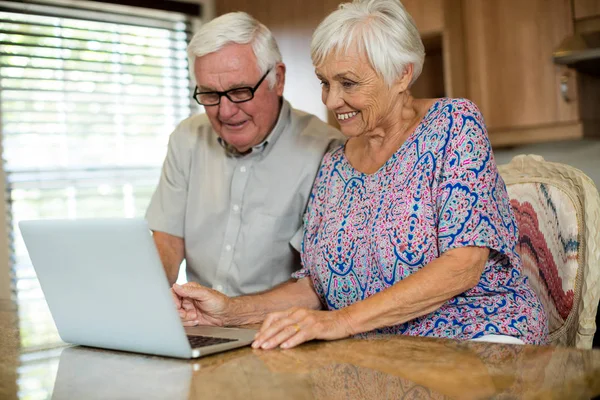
{"x":199,"y":305}
{"x":297,"y":325}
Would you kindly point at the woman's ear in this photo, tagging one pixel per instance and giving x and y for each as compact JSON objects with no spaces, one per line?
{"x":402,"y":84}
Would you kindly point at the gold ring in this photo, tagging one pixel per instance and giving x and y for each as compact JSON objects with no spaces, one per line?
{"x":296,"y":327}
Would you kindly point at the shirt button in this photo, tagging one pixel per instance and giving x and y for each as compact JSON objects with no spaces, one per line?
{"x":228,"y":247}
{"x":219,"y":288}
{"x":236,"y":208}
{"x":242,"y":169}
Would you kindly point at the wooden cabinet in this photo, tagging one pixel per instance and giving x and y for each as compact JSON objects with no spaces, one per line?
{"x":428,"y":15}
{"x":440,"y":25}
{"x":586,"y":8}
{"x":497,"y":53}
{"x":510,"y":72}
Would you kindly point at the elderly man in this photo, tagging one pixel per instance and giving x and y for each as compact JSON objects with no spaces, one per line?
{"x":236,"y":180}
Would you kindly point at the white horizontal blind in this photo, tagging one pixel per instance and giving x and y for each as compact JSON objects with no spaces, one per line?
{"x":87,"y":101}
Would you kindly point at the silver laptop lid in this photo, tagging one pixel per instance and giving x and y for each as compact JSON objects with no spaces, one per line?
{"x":105,"y":285}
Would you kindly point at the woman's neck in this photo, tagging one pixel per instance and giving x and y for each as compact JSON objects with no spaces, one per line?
{"x":368,"y":152}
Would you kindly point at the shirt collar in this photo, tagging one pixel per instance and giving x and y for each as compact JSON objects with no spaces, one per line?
{"x":263,"y":147}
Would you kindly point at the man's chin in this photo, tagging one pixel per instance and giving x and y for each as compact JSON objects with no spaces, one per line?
{"x":239,"y":142}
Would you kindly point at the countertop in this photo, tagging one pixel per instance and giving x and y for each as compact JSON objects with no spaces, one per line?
{"x":389,"y":367}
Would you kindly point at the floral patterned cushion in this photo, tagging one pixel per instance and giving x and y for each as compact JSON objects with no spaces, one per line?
{"x":557,"y":208}
{"x":549,"y":247}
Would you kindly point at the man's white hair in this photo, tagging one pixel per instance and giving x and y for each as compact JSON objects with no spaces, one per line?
{"x":240,"y":28}
{"x":381,"y":28}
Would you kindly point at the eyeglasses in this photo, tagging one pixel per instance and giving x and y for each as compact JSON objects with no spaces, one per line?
{"x":237,"y":95}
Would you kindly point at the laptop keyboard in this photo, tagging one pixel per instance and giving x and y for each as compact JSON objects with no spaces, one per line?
{"x":203,"y":341}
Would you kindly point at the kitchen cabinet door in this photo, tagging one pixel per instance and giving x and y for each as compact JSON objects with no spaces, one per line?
{"x":428,"y":15}
{"x":586,"y":8}
{"x":510,"y":74}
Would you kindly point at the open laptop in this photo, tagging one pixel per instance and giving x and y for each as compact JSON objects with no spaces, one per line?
{"x":106,"y":287}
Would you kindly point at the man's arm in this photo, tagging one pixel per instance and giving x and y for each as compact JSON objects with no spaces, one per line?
{"x":171,"y":250}
{"x":199,"y":305}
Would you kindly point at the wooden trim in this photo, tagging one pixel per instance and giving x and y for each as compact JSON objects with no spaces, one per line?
{"x":589,"y":103}
{"x":453,"y":48}
{"x":586,"y":8}
{"x":163,"y":5}
{"x":587,"y":25}
{"x":537,"y":134}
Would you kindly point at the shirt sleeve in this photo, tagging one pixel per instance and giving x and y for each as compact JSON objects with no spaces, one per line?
{"x":166,"y":212}
{"x":296,"y":240}
{"x":472,"y":202}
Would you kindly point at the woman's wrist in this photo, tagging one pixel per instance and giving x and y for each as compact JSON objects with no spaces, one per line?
{"x":349,"y":324}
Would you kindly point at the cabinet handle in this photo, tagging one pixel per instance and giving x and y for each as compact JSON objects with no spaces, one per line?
{"x":564,"y":87}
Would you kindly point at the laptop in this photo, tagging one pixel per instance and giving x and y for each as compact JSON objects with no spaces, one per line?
{"x":106,"y":287}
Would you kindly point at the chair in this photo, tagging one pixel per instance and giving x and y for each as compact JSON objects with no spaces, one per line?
{"x":557,"y":208}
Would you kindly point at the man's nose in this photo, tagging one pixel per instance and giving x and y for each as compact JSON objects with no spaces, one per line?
{"x":227,"y":108}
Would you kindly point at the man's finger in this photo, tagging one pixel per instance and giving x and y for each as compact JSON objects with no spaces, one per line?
{"x":176,"y":299}
{"x":189,"y":308}
{"x":190,"y":290}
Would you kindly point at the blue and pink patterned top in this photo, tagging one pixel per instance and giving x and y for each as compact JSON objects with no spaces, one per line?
{"x":441,"y":190}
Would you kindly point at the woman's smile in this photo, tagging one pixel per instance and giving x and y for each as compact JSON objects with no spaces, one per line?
{"x":346,"y":117}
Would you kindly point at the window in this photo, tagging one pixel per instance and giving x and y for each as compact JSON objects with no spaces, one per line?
{"x":88,"y":99}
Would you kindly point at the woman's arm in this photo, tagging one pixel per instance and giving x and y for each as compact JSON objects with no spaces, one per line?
{"x":199,"y":305}
{"x":454,"y":272}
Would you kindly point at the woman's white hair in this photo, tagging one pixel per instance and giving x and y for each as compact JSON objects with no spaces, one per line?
{"x":381,"y":28}
{"x":240,"y":28}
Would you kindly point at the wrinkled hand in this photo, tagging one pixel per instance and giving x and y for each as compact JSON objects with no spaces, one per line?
{"x":297,"y":325}
{"x":199,"y":305}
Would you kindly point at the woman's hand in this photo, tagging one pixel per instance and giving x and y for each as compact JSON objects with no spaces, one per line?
{"x":297,"y":325}
{"x":199,"y":305}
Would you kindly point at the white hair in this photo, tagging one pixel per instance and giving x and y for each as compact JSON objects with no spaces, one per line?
{"x":381,"y":28}
{"x":240,"y":28}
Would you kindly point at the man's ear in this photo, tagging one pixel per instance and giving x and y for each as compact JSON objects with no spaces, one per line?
{"x":280,"y":78}
{"x":403,"y":82}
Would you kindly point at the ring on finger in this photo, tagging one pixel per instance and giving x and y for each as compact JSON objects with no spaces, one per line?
{"x":297,"y":327}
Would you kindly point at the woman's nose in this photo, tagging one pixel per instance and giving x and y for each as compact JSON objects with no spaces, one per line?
{"x":333,"y":99}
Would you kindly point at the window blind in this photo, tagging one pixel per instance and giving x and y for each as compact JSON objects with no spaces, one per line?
{"x":88,"y":98}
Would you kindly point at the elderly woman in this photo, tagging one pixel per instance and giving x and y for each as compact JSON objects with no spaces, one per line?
{"x":408,"y":229}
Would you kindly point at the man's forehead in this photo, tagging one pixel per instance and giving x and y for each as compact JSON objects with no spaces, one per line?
{"x":233,"y":65}
{"x":225,"y":80}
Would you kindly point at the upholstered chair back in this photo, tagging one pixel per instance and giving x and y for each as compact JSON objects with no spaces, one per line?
{"x":557,"y":208}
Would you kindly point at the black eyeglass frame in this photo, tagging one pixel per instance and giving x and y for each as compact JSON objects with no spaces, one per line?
{"x":226,"y":93}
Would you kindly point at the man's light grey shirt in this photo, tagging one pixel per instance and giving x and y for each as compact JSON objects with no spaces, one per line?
{"x":240,"y":215}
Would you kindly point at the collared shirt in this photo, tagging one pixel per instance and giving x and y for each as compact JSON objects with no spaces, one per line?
{"x":240,"y":215}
